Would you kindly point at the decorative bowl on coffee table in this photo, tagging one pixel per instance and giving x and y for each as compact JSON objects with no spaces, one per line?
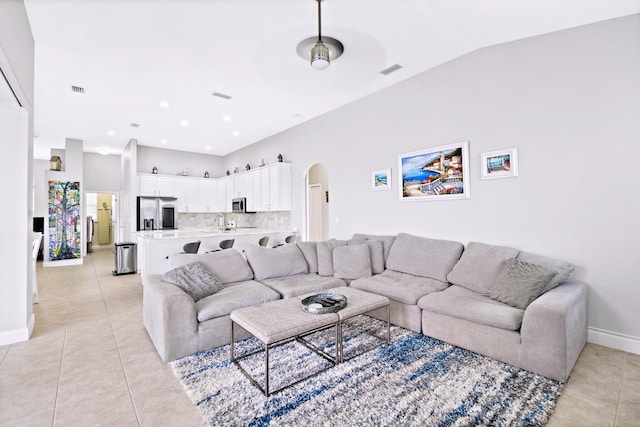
{"x":324,"y":303}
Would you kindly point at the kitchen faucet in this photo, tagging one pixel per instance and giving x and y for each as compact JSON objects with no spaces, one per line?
{"x":220,"y":220}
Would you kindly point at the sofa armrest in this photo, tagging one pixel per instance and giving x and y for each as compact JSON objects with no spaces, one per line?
{"x":554,"y":330}
{"x":170,"y":318}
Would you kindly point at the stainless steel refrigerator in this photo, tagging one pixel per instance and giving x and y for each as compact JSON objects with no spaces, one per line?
{"x":157,"y":213}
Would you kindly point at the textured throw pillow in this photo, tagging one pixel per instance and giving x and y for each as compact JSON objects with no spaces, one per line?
{"x":281,"y":261}
{"x":351,"y":262}
{"x":194,"y":279}
{"x":310,"y":252}
{"x":520,"y":283}
{"x":562,"y":268}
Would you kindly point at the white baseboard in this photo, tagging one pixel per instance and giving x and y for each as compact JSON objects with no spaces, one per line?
{"x":15,"y":335}
{"x":615,"y":340}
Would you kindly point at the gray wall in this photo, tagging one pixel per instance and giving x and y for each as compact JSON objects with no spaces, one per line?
{"x":101,"y":173}
{"x":172,"y":162}
{"x":570,"y":103}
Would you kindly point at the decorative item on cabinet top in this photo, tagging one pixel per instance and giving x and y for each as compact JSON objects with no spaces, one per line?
{"x":154,"y":170}
{"x":280,"y":158}
{"x":247,"y":167}
{"x":206,"y":174}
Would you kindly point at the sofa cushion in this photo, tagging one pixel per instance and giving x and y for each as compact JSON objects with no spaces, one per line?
{"x":461,"y":303}
{"x":520,"y":283}
{"x":194,"y":279}
{"x":421,"y":256}
{"x":563,"y":269}
{"x":302,"y":284}
{"x":325,"y":255}
{"x":401,"y":287}
{"x":281,"y":261}
{"x":233,"y":296}
{"x":310,"y":252}
{"x":376,"y":254}
{"x":479,"y":266}
{"x":229,"y":266}
{"x":387,"y":241}
{"x":352,"y":262}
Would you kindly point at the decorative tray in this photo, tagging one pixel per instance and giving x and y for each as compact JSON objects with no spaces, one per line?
{"x":324,"y":303}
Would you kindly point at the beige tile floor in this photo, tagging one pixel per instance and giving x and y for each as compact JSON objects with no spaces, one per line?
{"x":90,"y":363}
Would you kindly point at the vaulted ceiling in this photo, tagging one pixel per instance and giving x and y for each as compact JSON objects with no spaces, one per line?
{"x":148,"y":69}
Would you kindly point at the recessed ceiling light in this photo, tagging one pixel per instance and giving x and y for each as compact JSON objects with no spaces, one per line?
{"x":236,"y":133}
{"x":164,"y":104}
{"x":221,"y":95}
{"x":226,"y":118}
{"x":110,"y":133}
{"x":297,"y":115}
{"x":391,"y":69}
{"x":184,"y":123}
{"x":163,"y":141}
{"x":134,"y":125}
{"x":208,"y":147}
{"x":102,"y":150}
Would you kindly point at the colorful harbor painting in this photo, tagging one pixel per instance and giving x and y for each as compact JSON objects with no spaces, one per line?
{"x":64,"y":220}
{"x":381,"y":179}
{"x":438,"y":173}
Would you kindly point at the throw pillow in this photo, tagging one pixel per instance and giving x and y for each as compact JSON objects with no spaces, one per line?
{"x":520,"y":283}
{"x":194,"y":279}
{"x":479,"y":266}
{"x":376,"y":252}
{"x":281,"y":261}
{"x":310,"y":252}
{"x":325,"y":255}
{"x":562,"y":268}
{"x":352,"y":262}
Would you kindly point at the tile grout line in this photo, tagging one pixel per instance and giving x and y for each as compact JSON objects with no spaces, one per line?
{"x":624,"y":365}
{"x":115,"y":337}
{"x":64,"y":343}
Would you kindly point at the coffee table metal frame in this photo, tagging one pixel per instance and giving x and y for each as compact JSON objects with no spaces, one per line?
{"x":299,"y":338}
{"x":339,"y":356}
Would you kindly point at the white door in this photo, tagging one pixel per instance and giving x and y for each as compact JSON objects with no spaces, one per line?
{"x":315,"y":213}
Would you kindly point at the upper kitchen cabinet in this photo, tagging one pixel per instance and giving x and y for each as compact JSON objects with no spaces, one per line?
{"x":207,"y":193}
{"x":224,"y":194}
{"x":156,"y":185}
{"x":186,"y":190}
{"x":275,"y":187}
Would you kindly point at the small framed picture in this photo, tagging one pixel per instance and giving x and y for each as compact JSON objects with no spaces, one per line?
{"x":381,"y":180}
{"x":499,"y":164}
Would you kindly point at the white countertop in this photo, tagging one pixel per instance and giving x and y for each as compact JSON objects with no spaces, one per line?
{"x":199,"y":233}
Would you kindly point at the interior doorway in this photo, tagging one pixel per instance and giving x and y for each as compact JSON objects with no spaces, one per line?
{"x":102,"y":219}
{"x":317,"y":187}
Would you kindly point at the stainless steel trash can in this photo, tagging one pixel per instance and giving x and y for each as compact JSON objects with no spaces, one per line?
{"x":126,"y":258}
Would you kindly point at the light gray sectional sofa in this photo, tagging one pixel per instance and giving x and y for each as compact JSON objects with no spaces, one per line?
{"x":511,"y":305}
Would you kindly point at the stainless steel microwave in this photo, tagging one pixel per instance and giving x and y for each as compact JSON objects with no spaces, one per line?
{"x":239,"y":205}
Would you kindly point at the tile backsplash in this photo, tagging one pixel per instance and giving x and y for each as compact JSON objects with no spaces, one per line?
{"x":277,"y":220}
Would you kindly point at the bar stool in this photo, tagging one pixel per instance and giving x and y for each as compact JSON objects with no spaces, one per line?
{"x":290,"y":239}
{"x":227,"y":244}
{"x":264,"y":241}
{"x":192,"y":247}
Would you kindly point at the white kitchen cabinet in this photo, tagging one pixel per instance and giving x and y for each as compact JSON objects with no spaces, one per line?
{"x":207,"y":192}
{"x":254,"y":199}
{"x":156,"y":185}
{"x":275,"y":187}
{"x":186,"y":190}
{"x":240,"y":185}
{"x":224,"y":194}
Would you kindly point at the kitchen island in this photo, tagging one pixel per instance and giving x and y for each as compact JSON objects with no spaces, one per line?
{"x":155,"y":246}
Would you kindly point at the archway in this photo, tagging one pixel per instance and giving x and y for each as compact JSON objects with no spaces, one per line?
{"x":317,"y":203}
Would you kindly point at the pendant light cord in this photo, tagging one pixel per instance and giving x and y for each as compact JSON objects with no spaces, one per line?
{"x":319,"y":22}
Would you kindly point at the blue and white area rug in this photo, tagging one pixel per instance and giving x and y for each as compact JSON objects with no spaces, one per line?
{"x":412,"y":381}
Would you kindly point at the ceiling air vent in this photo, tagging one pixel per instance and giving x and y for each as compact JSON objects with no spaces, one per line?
{"x":77,"y":89}
{"x":134,"y":125}
{"x":221,"y":95}
{"x":389,"y":70}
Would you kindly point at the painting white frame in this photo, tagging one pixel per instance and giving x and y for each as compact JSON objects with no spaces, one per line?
{"x":381,"y":179}
{"x":499,"y":163}
{"x":453,"y":181}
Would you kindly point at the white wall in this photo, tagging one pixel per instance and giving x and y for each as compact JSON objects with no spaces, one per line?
{"x":570,"y":102}
{"x":16,"y":145}
{"x":172,"y":162}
